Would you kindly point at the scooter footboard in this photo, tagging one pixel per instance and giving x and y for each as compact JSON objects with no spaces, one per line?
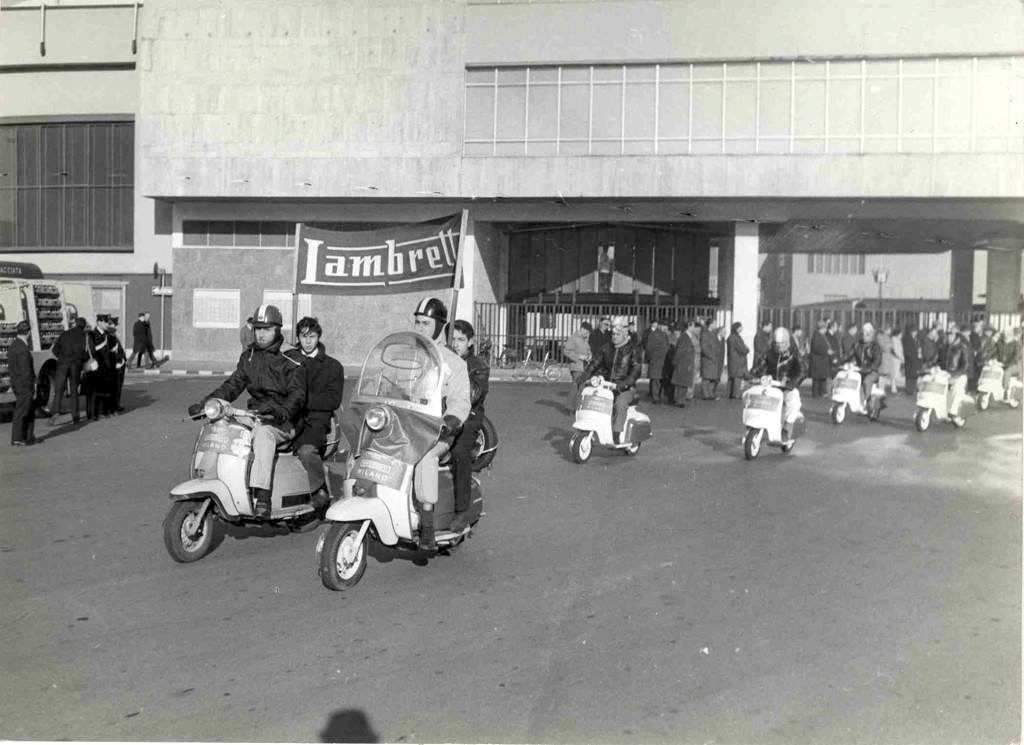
{"x":357,"y":509}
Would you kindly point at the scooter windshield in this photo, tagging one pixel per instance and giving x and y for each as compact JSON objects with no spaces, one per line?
{"x":403,"y":370}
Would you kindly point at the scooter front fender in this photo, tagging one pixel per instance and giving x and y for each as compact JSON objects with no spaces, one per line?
{"x":357,"y":509}
{"x":214,"y":489}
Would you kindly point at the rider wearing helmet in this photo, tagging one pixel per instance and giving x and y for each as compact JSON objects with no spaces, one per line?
{"x":430,"y":319}
{"x":955,"y":359}
{"x":618,"y":362}
{"x":324,"y":383}
{"x":782,"y":363}
{"x":277,"y":389}
{"x":866,"y":355}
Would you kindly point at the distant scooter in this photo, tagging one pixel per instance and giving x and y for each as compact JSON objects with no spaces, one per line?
{"x":762,"y":417}
{"x":846,"y":394}
{"x":594,"y":421}
{"x":990,"y":387}
{"x":933,"y":400}
{"x":218,"y":490}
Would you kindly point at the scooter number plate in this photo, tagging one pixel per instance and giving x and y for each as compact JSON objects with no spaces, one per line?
{"x":765,"y":403}
{"x":847,"y":383}
{"x":598,"y":404}
{"x":380,"y":469}
{"x":992,"y":376}
{"x":930,"y":387}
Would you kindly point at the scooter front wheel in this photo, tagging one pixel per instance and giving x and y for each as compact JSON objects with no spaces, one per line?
{"x":837,"y":413}
{"x":580,"y":446}
{"x":922,"y":419}
{"x":188,"y":538}
{"x":342,"y":560}
{"x":751,"y":443}
{"x":984,"y":399}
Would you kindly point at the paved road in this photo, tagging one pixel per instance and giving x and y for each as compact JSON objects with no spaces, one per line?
{"x":866,"y":588}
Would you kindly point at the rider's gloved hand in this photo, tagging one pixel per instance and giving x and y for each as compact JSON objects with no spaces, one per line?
{"x":622,"y":388}
{"x":195,"y":410}
{"x":451,"y":425}
{"x":275,"y":414}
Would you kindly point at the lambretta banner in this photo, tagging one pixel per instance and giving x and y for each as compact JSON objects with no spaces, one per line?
{"x":403,"y":258}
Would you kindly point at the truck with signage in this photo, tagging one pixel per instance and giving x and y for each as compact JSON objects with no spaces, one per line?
{"x":50,"y":307}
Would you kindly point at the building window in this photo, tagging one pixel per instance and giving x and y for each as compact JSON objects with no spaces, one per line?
{"x":836,"y":263}
{"x":216,"y":309}
{"x":966,"y":104}
{"x":253,"y":234}
{"x":67,"y":187}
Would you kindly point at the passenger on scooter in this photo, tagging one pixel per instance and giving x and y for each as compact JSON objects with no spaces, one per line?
{"x":324,"y":383}
{"x":276,"y":386}
{"x":619,"y":363}
{"x":462,"y":448}
{"x":430,"y":319}
{"x":867,"y":356}
{"x":956,"y":362}
{"x":782,"y":363}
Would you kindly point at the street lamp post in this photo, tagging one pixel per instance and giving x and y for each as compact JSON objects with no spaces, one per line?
{"x":880,"y":275}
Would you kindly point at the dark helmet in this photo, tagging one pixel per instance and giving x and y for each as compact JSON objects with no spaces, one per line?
{"x":433,"y":308}
{"x":265,"y":317}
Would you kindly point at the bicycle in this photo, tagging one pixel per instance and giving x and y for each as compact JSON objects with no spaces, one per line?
{"x":547,"y":369}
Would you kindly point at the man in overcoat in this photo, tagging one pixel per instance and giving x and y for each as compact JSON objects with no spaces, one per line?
{"x":682,"y":367}
{"x":737,"y":359}
{"x":712,"y":357}
{"x":821,"y":363}
{"x":656,"y":349}
{"x":23,"y":382}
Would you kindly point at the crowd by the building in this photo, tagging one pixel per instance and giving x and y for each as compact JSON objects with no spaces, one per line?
{"x":91,"y":363}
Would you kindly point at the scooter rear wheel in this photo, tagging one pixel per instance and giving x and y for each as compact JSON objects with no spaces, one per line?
{"x":922,"y":419}
{"x":342,"y":562}
{"x":837,"y":413}
{"x":751,"y":443}
{"x":580,"y":446}
{"x":185,"y":537}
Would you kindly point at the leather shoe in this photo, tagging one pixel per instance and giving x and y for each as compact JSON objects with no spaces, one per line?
{"x":261,"y":502}
{"x":460,"y":522}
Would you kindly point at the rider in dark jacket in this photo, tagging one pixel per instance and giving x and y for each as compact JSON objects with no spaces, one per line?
{"x":277,"y":389}
{"x":867,"y":356}
{"x":782,"y":362}
{"x":618,"y":362}
{"x":324,"y":383}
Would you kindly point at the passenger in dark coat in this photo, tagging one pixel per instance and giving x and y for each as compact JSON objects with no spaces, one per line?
{"x":712,"y":359}
{"x":931,"y":350}
{"x":71,"y":354}
{"x":682,"y":368}
{"x":911,"y":359}
{"x":835,"y":350}
{"x":737,"y":362}
{"x":821,"y":360}
{"x":600,"y":336}
{"x":656,"y":350}
{"x":324,"y":382}
{"x":23,"y":383}
{"x":762,"y":343}
{"x":848,"y":342}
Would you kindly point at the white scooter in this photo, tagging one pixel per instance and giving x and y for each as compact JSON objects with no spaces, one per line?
{"x":594,"y":421}
{"x":933,"y":400}
{"x":990,"y":387}
{"x":398,"y":405}
{"x":846,"y":394}
{"x":218,"y":492}
{"x":762,"y":417}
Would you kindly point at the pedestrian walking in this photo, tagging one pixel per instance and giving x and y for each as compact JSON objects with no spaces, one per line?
{"x":70,"y":351}
{"x":142,"y":341}
{"x":656,"y":350}
{"x":737,"y":360}
{"x":682,"y":368}
{"x":911,"y":358}
{"x":577,"y":350}
{"x":23,"y":382}
{"x":712,"y":356}
{"x":848,"y":342}
{"x":821,"y":359}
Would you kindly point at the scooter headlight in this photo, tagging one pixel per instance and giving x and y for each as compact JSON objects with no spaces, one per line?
{"x":595,"y":381}
{"x":766,"y":380}
{"x":213,"y":409}
{"x":376,"y":418}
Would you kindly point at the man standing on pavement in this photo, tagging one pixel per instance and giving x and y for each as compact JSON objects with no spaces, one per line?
{"x":71,"y":354}
{"x":578,"y":351}
{"x":600,"y":336}
{"x":656,"y":350}
{"x":142,"y":341}
{"x":120,"y":361}
{"x":682,"y":367}
{"x":737,"y":359}
{"x":821,"y":363}
{"x":325,"y":386}
{"x":23,"y":382}
{"x":712,"y":355}
{"x":762,"y":342}
{"x":99,"y":382}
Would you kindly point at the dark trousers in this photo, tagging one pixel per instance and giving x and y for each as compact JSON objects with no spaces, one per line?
{"x":462,"y":462}
{"x":575,"y":388}
{"x":709,"y":387}
{"x":118,"y":387}
{"x":140,"y":349}
{"x":655,"y":389}
{"x":819,"y":387}
{"x":23,"y":423}
{"x":735,"y":387}
{"x":67,"y":373}
{"x":99,"y":386}
{"x":668,"y":390}
{"x":680,"y":393}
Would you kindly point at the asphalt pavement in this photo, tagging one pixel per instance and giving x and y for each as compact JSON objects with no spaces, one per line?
{"x":865,"y":588}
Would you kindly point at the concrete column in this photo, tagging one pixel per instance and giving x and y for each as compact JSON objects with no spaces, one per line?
{"x":961,"y":287}
{"x":1004,"y":281}
{"x":744,"y":279}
